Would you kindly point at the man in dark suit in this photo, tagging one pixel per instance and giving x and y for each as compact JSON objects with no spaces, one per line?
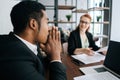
{"x":18,"y":50}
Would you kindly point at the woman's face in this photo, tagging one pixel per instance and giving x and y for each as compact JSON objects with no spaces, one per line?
{"x":84,"y":23}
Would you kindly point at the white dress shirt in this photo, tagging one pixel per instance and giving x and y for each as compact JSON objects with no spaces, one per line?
{"x":32,"y":47}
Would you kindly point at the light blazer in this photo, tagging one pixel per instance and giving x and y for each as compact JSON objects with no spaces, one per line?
{"x":18,"y":62}
{"x":74,"y":41}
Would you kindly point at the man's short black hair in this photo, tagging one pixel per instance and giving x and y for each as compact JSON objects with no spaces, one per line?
{"x":23,"y":12}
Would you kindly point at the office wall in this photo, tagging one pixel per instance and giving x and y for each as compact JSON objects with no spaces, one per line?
{"x":5,"y":22}
{"x":115,"y":23}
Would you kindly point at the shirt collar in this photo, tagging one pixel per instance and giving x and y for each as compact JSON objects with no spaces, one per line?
{"x":32,"y":47}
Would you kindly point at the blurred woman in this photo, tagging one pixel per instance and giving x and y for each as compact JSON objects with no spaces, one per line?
{"x":80,"y":40}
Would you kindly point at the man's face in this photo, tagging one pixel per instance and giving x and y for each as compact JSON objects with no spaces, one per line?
{"x":44,"y":28}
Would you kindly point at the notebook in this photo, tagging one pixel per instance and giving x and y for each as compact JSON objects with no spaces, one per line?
{"x":111,"y":63}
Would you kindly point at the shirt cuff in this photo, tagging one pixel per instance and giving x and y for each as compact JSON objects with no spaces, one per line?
{"x":56,"y":61}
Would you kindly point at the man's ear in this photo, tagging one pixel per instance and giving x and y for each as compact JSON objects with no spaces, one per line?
{"x":33,"y":24}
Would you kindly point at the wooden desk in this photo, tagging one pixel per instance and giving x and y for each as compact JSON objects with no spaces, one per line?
{"x":72,"y":68}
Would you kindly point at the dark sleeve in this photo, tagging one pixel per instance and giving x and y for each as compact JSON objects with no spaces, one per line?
{"x":92,"y":43}
{"x":57,"y":71}
{"x":20,"y":70}
{"x":71,"y":43}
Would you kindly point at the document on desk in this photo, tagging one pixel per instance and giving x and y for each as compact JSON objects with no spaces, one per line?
{"x":97,"y":76}
{"x":89,"y":59}
{"x":102,"y":49}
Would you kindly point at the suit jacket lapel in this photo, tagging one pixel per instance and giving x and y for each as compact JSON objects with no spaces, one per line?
{"x":38,"y":59}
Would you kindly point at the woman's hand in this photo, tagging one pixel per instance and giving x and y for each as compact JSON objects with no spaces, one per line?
{"x":88,"y":51}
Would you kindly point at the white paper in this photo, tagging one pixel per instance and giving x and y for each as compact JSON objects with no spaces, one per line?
{"x":102,"y":49}
{"x":89,"y":59}
{"x":101,"y":36}
{"x":97,"y":76}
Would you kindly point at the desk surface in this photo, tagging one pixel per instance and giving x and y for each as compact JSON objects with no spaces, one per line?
{"x":72,"y":68}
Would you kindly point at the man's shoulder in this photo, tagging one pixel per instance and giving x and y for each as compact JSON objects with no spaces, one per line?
{"x":4,"y":38}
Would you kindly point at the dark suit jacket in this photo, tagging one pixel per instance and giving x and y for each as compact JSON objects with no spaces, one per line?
{"x":74,"y":41}
{"x":18,"y":62}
